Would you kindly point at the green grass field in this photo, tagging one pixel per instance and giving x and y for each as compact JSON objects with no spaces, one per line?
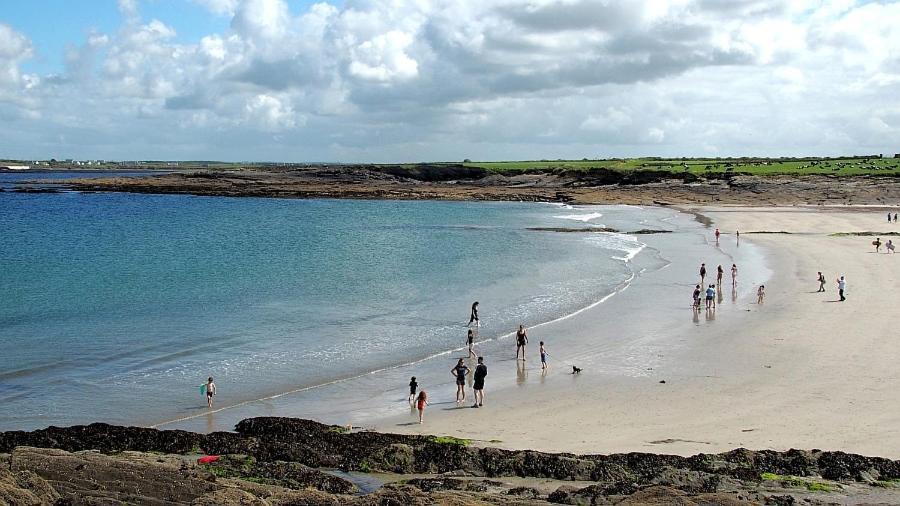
{"x":757,"y":166}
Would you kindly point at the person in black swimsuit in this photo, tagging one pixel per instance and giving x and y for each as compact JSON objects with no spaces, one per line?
{"x":474,"y":316}
{"x":480,"y":373}
{"x":459,"y":372}
{"x":470,"y":342}
{"x":521,"y":341}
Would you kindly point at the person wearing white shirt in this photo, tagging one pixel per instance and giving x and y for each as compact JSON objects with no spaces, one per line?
{"x":842,"y":285}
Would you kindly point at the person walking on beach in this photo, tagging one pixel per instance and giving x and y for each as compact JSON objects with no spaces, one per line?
{"x":521,"y":341}
{"x":877,"y":244}
{"x":210,"y":391}
{"x":821,"y":282}
{"x":842,"y":286}
{"x":760,"y":294}
{"x":470,"y":342}
{"x":421,"y":402}
{"x":543,"y":356}
{"x":889,"y":246}
{"x":697,"y":292}
{"x":702,"y":274}
{"x":717,"y":236}
{"x":733,"y":275}
{"x":478,"y":386}
{"x":895,"y":217}
{"x":413,"y":384}
{"x":719,"y":273}
{"x":459,"y":372}
{"x":711,"y":297}
{"x":473,"y":317}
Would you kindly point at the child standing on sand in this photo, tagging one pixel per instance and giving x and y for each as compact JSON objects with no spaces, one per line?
{"x":210,"y":391}
{"x":760,"y":294}
{"x":413,"y":384}
{"x":543,"y":356}
{"x":421,"y":402}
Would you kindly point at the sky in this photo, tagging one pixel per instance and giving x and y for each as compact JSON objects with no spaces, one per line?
{"x":443,"y":80}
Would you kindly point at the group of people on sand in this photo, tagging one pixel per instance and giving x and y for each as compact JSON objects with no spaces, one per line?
{"x":713,"y":289}
{"x":461,"y":371}
{"x":895,"y":217}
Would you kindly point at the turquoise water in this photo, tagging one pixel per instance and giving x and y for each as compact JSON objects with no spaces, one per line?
{"x":117,"y":306}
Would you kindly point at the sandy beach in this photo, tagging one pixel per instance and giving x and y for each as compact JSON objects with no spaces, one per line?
{"x":800,"y":371}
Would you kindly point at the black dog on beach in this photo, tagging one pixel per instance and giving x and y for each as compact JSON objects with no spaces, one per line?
{"x":576,"y":370}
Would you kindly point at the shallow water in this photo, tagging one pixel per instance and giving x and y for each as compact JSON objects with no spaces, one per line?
{"x":117,"y":306}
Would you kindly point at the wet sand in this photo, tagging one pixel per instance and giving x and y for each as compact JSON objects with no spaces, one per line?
{"x":799,"y":371}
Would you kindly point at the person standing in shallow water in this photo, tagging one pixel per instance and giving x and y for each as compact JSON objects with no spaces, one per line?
{"x":470,"y":342}
{"x":702,"y":274}
{"x":521,"y":341}
{"x":478,"y":386}
{"x":473,"y":317}
{"x":210,"y":392}
{"x":697,"y":292}
{"x":720,"y":271}
{"x":733,"y":275}
{"x":459,"y":373}
{"x":717,"y":236}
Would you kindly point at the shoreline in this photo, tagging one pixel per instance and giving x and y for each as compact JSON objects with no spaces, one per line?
{"x":563,"y":345}
{"x":794,"y":372}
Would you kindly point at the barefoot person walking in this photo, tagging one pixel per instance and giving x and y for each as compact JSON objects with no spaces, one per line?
{"x":413,"y":384}
{"x":733,"y":275}
{"x":470,"y":342}
{"x":210,"y":391}
{"x":473,"y":317}
{"x":521,"y":341}
{"x":760,"y":294}
{"x":421,"y":402}
{"x":478,"y":386}
{"x":702,"y":274}
{"x":821,"y":282}
{"x":459,"y":372}
{"x":842,"y":286}
{"x":720,"y":271}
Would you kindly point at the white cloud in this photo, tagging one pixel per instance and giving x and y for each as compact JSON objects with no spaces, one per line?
{"x":450,"y":79}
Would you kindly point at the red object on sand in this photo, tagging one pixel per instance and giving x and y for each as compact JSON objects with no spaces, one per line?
{"x":208,"y":459}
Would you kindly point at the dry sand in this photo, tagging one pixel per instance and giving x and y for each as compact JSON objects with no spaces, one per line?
{"x":799,"y":371}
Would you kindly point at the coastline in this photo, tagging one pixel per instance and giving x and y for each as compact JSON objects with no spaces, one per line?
{"x":799,"y":371}
{"x":619,"y":349}
{"x":601,"y":186}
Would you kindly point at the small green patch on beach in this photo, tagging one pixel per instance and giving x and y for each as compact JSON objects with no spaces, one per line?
{"x":450,"y":440}
{"x":796,"y":481}
{"x":338,"y":429}
{"x":864,"y":234}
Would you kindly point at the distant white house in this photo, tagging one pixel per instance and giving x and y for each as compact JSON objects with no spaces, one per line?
{"x":15,"y":167}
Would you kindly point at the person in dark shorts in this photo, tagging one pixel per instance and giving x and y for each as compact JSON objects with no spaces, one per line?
{"x":543,"y":356}
{"x":210,"y":391}
{"x":470,"y":342}
{"x":821,"y":283}
{"x":720,"y":271}
{"x":478,"y":386}
{"x":521,"y":341}
{"x":473,"y":317}
{"x":711,"y":297}
{"x":697,"y":292}
{"x":413,"y":385}
{"x":459,"y":372}
{"x":702,"y":274}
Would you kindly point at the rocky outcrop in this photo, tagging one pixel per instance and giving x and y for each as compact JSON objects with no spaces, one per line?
{"x":288,"y":461}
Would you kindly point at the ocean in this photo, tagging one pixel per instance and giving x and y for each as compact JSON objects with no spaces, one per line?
{"x":116,"y":307}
